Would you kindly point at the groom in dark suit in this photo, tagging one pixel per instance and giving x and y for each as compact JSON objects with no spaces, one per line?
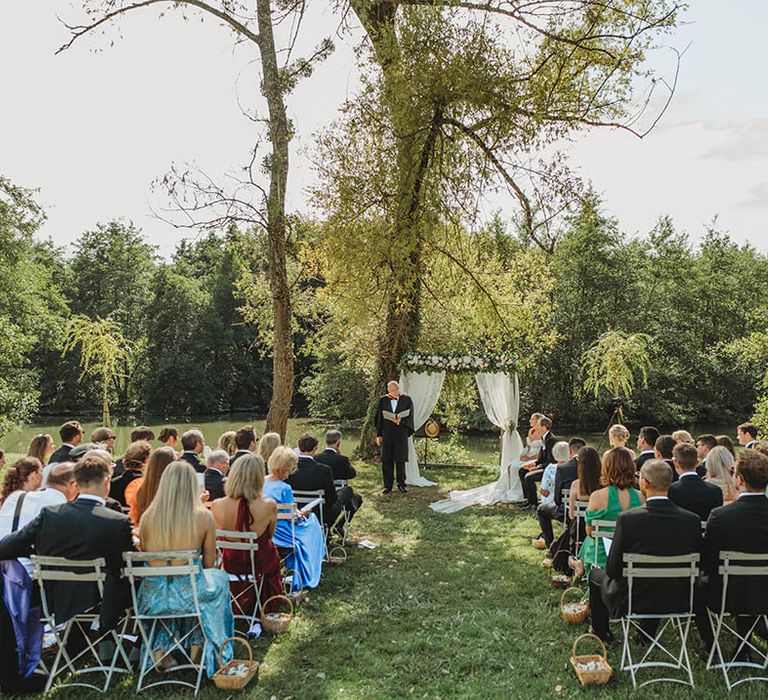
{"x":532,"y":472}
{"x":392,"y":435}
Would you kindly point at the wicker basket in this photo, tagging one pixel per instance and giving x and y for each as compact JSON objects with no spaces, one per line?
{"x":228,"y":681}
{"x":538,"y":543}
{"x":574,"y":612}
{"x":337,"y":556}
{"x":276,"y":622}
{"x":602,"y":671}
{"x":560,"y":581}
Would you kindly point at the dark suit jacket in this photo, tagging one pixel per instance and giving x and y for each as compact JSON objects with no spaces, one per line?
{"x":214,"y":483}
{"x":643,"y":457}
{"x":82,"y":529}
{"x":741,"y":526}
{"x":120,"y":483}
{"x":194,"y":460}
{"x":675,"y":475}
{"x":545,"y":453}
{"x":694,"y":494}
{"x":564,"y":476}
{"x":394,"y":438}
{"x":660,"y":528}
{"x":339,"y":464}
{"x":313,"y":476}
{"x":60,"y":455}
{"x":237,"y":454}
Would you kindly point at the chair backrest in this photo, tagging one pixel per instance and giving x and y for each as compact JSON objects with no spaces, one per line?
{"x":289,"y":512}
{"x":579,"y":510}
{"x":651,"y":566}
{"x":602,"y":528}
{"x":235,"y":539}
{"x":137,"y":568}
{"x":57,"y":569}
{"x":304,"y":497}
{"x":339,"y":483}
{"x":735,"y":564}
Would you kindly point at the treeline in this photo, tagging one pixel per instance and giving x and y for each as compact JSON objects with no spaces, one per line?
{"x":199,"y":323}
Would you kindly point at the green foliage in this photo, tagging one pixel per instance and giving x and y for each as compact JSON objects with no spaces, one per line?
{"x":613,"y":362}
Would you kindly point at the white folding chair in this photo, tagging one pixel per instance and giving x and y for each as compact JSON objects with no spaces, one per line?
{"x":734,"y":565}
{"x":81,"y":628}
{"x":250,"y":582}
{"x":290,"y":513}
{"x":601,"y":529}
{"x":649,"y":567}
{"x":137,"y":570}
{"x":565,"y":497}
{"x":339,"y":483}
{"x":309,"y":500}
{"x":579,"y":512}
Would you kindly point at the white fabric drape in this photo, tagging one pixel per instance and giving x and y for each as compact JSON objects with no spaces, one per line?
{"x":500,"y":395}
{"x":424,"y":389}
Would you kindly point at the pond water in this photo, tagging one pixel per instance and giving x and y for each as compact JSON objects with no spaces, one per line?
{"x":481,"y":448}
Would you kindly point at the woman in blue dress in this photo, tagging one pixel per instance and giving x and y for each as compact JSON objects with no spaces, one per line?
{"x":177,"y":520}
{"x":309,"y":550}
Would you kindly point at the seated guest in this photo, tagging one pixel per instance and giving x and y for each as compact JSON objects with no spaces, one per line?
{"x":244,"y":508}
{"x":704,"y":443}
{"x":134,"y":461}
{"x":104,"y":437}
{"x":331,"y":457}
{"x":306,"y":558}
{"x":607,"y":503}
{"x":618,"y":436}
{"x":547,"y":508}
{"x":245,"y":442}
{"x":140,"y":432}
{"x":532,"y":442}
{"x":41,"y":447}
{"x":138,"y":499}
{"x":82,"y":529}
{"x":71,"y":434}
{"x":690,"y":491}
{"x":267,"y":445}
{"x":215,"y":473}
{"x":741,"y":526}
{"x":646,"y":441}
{"x":21,"y":507}
{"x":747,"y":435}
{"x":177,"y":520}
{"x":313,"y":476}
{"x":169,"y":437}
{"x":682,"y":437}
{"x":193,"y":444}
{"x":727,"y":443}
{"x":720,"y":468}
{"x":658,"y":528}
{"x":25,"y":474}
{"x":663,"y":450}
{"x":531,"y":472}
{"x":760,"y":446}
{"x":227,"y":442}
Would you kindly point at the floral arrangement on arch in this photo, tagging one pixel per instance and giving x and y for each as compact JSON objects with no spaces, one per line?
{"x":432,"y":362}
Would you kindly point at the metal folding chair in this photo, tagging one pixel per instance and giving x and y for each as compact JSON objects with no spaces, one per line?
{"x":646,"y":566}
{"x":602,"y":529}
{"x":137,"y":570}
{"x":289,"y":512}
{"x":250,"y":582}
{"x":82,"y":628}
{"x":734,"y":565}
{"x":565,"y":497}
{"x":309,"y":500}
{"x":339,"y":483}
{"x":579,"y":512}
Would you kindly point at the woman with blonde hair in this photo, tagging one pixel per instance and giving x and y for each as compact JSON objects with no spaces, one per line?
{"x":618,"y":436}
{"x":683,"y":436}
{"x":41,"y":446}
{"x":244,"y":508}
{"x":139,"y":497}
{"x":309,"y":551}
{"x":720,"y":465}
{"x":177,"y":520}
{"x":227,"y":442}
{"x":267,"y":445}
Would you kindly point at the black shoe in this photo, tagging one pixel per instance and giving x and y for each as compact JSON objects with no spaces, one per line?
{"x":386,"y":491}
{"x":402,"y":489}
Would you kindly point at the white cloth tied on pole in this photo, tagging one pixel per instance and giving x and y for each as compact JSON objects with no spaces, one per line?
{"x":424,"y":389}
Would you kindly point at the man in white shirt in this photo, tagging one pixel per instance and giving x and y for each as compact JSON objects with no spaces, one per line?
{"x":61,"y":488}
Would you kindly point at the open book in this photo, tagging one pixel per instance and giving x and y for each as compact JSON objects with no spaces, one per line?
{"x":395,"y":417}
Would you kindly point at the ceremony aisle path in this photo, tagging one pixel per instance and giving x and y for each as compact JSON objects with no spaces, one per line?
{"x":447,"y":606}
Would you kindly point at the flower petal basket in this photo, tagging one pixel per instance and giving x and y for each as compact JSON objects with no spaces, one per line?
{"x":591,"y":669}
{"x":276,"y":622}
{"x":574,"y":612}
{"x":337,"y":556}
{"x":238,"y":672}
{"x":560,"y":581}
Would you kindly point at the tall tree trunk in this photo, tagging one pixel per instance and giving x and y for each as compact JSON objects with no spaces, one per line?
{"x":279,"y":137}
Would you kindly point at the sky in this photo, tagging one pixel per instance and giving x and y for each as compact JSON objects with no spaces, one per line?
{"x":91,"y":128}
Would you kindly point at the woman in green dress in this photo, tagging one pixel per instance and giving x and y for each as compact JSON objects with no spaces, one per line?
{"x":619,"y":494}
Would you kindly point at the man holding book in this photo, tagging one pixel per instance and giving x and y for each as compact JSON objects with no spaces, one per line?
{"x":394,"y":425}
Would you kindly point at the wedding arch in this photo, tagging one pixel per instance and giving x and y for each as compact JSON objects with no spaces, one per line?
{"x":422,"y":377}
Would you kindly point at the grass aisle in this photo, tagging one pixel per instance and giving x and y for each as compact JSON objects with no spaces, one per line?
{"x":448,"y":606}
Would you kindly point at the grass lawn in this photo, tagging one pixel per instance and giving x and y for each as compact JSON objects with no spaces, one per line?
{"x":448,"y":606}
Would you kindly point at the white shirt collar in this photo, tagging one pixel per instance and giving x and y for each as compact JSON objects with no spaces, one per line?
{"x":656,"y":498}
{"x":751,"y":493}
{"x":91,"y":497}
{"x":331,"y":449}
{"x":648,"y":452}
{"x":690,"y":473}
{"x":67,"y":444}
{"x":214,"y":469}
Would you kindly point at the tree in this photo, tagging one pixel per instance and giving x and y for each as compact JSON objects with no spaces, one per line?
{"x":104,"y":352}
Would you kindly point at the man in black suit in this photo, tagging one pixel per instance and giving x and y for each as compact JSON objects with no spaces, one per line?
{"x":704,"y":443}
{"x":218,"y":468}
{"x":646,"y":445}
{"x":658,"y":528}
{"x":663,"y":450}
{"x":71,"y":434}
{"x":531,"y":472}
{"x":245,"y":441}
{"x":193,"y":444}
{"x":746,"y":434}
{"x":741,"y":526}
{"x":392,"y":435}
{"x":690,"y":491}
{"x":82,"y":529}
{"x":564,"y":476}
{"x":313,"y":476}
{"x":331,"y":456}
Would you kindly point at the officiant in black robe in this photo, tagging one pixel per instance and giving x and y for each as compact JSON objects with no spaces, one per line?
{"x":392,"y":435}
